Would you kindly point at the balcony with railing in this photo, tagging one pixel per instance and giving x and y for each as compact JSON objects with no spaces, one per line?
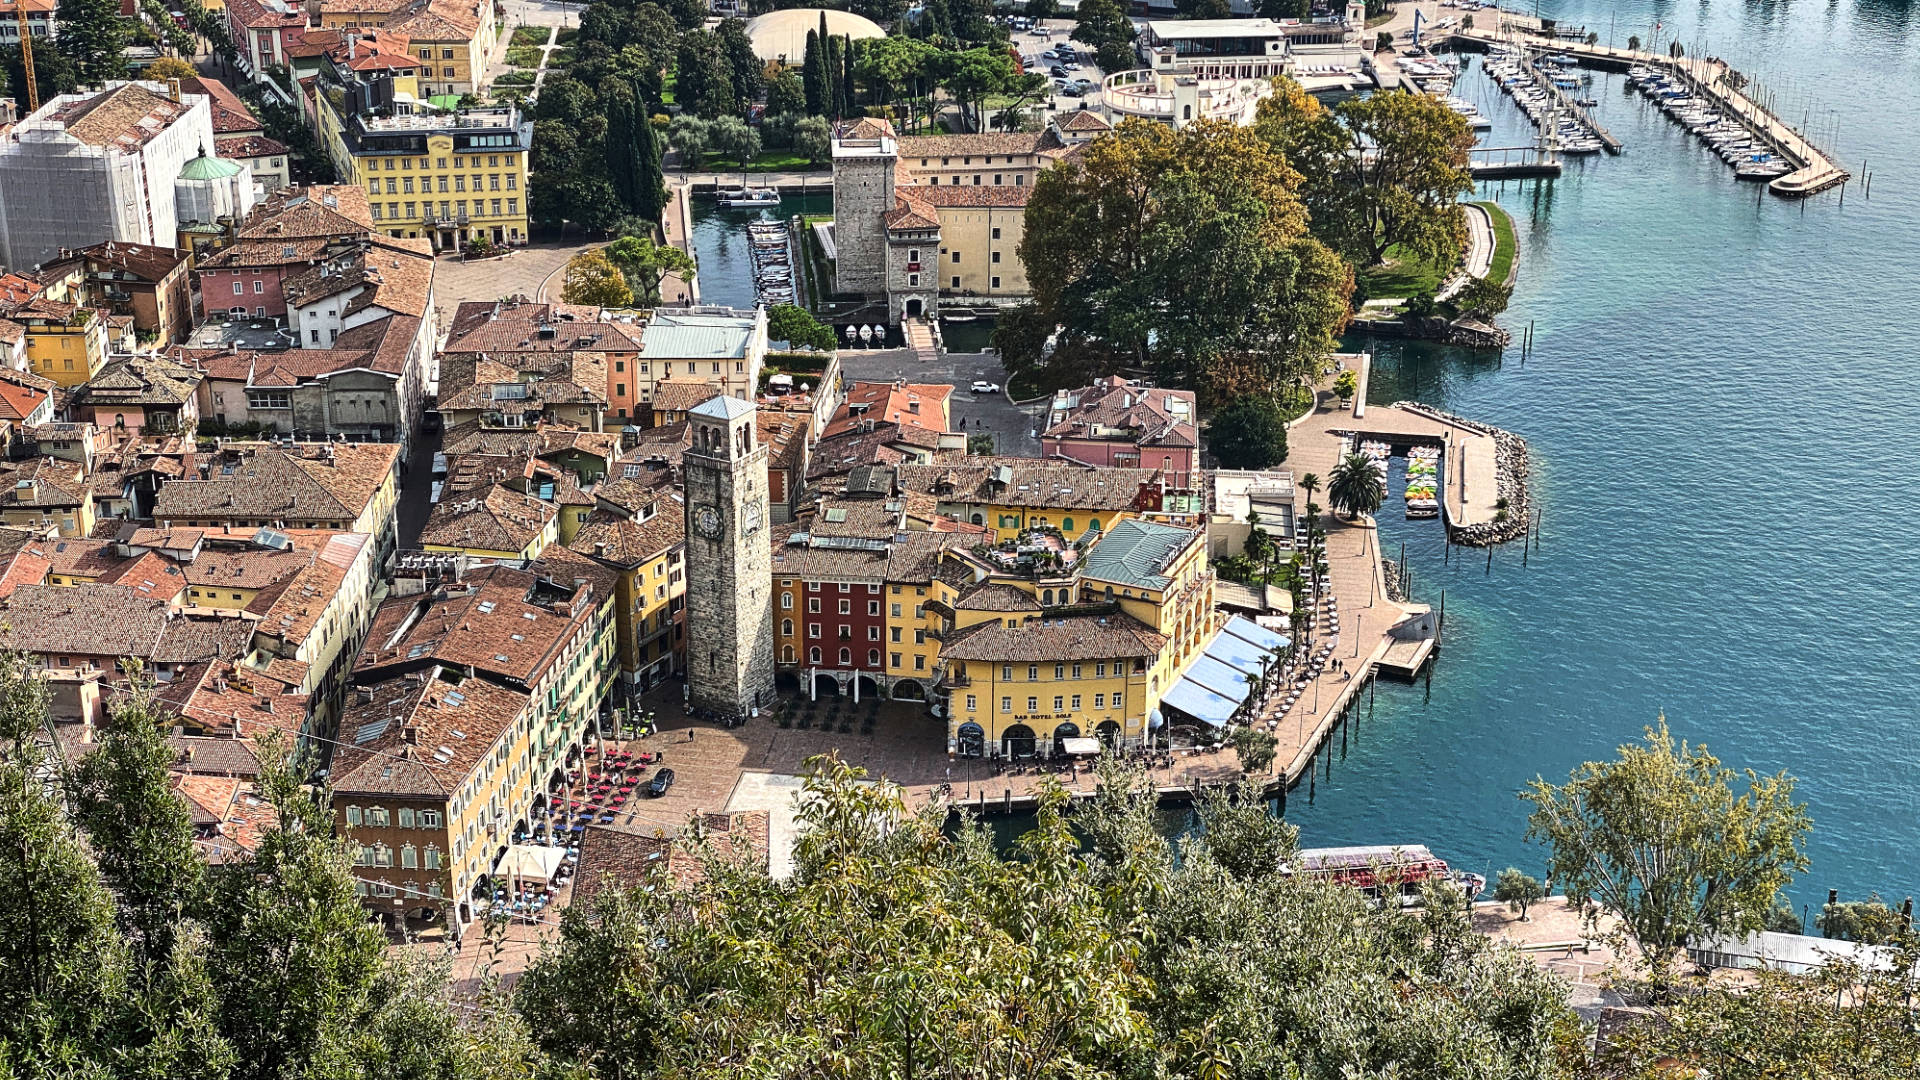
{"x":1181,"y":99}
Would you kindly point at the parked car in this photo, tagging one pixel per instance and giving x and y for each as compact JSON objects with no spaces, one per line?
{"x":1050,"y":54}
{"x":1057,"y":71}
{"x":1040,"y":32}
{"x":1071,"y":66}
{"x":982,"y":386}
{"x":1085,"y":84}
{"x":661,"y":781}
{"x":1071,"y":90}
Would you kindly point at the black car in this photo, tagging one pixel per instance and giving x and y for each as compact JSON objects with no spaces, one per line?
{"x":661,"y":781}
{"x":1057,"y":72}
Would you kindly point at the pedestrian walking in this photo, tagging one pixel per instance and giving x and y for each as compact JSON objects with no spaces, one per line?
{"x":689,"y":734}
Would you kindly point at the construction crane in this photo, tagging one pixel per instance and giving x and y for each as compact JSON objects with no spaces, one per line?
{"x":26,"y":56}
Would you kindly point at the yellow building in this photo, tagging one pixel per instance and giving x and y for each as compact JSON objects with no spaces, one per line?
{"x":65,"y":342}
{"x":42,"y":493}
{"x":648,"y":551}
{"x":453,"y":178}
{"x":544,"y":635}
{"x":454,"y":40}
{"x":1013,"y":495}
{"x":1056,"y":643}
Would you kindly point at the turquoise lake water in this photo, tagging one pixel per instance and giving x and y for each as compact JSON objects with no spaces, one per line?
{"x":1721,"y":394}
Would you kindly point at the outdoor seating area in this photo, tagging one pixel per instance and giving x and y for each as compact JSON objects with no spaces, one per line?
{"x":597,"y":792}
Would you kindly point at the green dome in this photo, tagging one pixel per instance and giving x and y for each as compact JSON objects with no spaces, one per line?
{"x":209,"y":168}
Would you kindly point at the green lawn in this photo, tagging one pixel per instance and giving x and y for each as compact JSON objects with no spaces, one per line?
{"x":531,"y":35}
{"x":560,"y":57}
{"x":522,"y":56}
{"x":777,"y":160}
{"x":1506,"y":243}
{"x":1400,"y":276}
{"x":567,"y":35}
{"x":514,"y":78}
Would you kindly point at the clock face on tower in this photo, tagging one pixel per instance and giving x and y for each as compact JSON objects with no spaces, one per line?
{"x":707,"y":521}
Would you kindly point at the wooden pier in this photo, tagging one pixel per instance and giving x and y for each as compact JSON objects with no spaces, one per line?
{"x":1512,"y":163}
{"x":1410,"y":644}
{"x":1568,"y":105}
{"x":1814,"y":170}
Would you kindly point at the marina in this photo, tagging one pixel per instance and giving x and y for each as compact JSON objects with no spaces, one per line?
{"x":1547,"y":100}
{"x":772,"y":262}
{"x":1712,"y":86}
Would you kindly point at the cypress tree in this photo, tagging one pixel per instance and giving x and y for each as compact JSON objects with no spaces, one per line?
{"x":833,"y":78}
{"x":650,"y":194}
{"x":813,"y":74}
{"x":846,"y":83}
{"x":621,"y":150}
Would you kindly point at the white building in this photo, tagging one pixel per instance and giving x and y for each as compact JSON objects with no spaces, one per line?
{"x":99,"y":166}
{"x":1217,"y":48}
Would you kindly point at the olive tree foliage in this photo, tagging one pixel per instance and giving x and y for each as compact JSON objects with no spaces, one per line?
{"x":1660,"y":837}
{"x":1848,"y":1021}
{"x":899,"y":948}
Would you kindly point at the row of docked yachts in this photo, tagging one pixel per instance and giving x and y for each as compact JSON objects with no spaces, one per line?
{"x":1751,"y":155}
{"x":1519,"y":77}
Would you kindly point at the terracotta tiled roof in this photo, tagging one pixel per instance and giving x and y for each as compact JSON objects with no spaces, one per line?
{"x":124,"y":117}
{"x":886,"y":444}
{"x":143,"y":379}
{"x":90,"y":620}
{"x":19,"y":401}
{"x":1085,"y":120}
{"x":679,"y":395}
{"x":618,"y":859}
{"x":315,"y":211}
{"x":439,"y":20}
{"x":910,"y":211}
{"x":244,"y":147}
{"x":997,"y":596}
{"x":145,"y":261}
{"x":960,"y":146}
{"x":400,"y":282}
{"x":918,"y":404}
{"x":625,"y":542}
{"x":974,"y":195}
{"x":230,"y":114}
{"x":263,"y":482}
{"x":484,"y":621}
{"x":867,"y":127}
{"x":420,"y":736}
{"x":17,"y":289}
{"x":1033,"y":483}
{"x":1081,"y":637}
{"x":1114,"y":410}
{"x":500,"y":519}
{"x":48,"y":484}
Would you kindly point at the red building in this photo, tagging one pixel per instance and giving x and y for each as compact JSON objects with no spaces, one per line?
{"x":1119,"y":423}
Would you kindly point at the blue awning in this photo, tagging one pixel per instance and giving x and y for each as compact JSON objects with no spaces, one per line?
{"x":1213,"y":675}
{"x":1200,"y":703}
{"x":1254,"y":634}
{"x":1235,"y":653}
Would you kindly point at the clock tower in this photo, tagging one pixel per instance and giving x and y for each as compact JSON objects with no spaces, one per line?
{"x":729,"y":560}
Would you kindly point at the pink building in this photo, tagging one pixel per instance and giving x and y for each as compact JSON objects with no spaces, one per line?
{"x":263,"y":31}
{"x":1120,"y":423}
{"x":285,"y":236}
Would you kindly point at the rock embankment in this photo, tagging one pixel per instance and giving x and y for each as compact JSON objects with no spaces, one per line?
{"x":1510,"y":471}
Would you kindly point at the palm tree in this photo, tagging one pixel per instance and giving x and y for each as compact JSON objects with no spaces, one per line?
{"x":1633,"y":43}
{"x":1357,"y":488}
{"x":1310,"y":483}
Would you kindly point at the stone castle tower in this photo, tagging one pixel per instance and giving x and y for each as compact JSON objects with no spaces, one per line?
{"x":865,"y":155}
{"x":729,"y":560}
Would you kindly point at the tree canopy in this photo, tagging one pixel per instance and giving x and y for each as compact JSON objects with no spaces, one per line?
{"x":1380,"y":172}
{"x":898,"y":948}
{"x":1249,"y":433}
{"x":1183,"y":253}
{"x":592,"y":279}
{"x":1660,"y":836}
{"x":797,"y":326}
